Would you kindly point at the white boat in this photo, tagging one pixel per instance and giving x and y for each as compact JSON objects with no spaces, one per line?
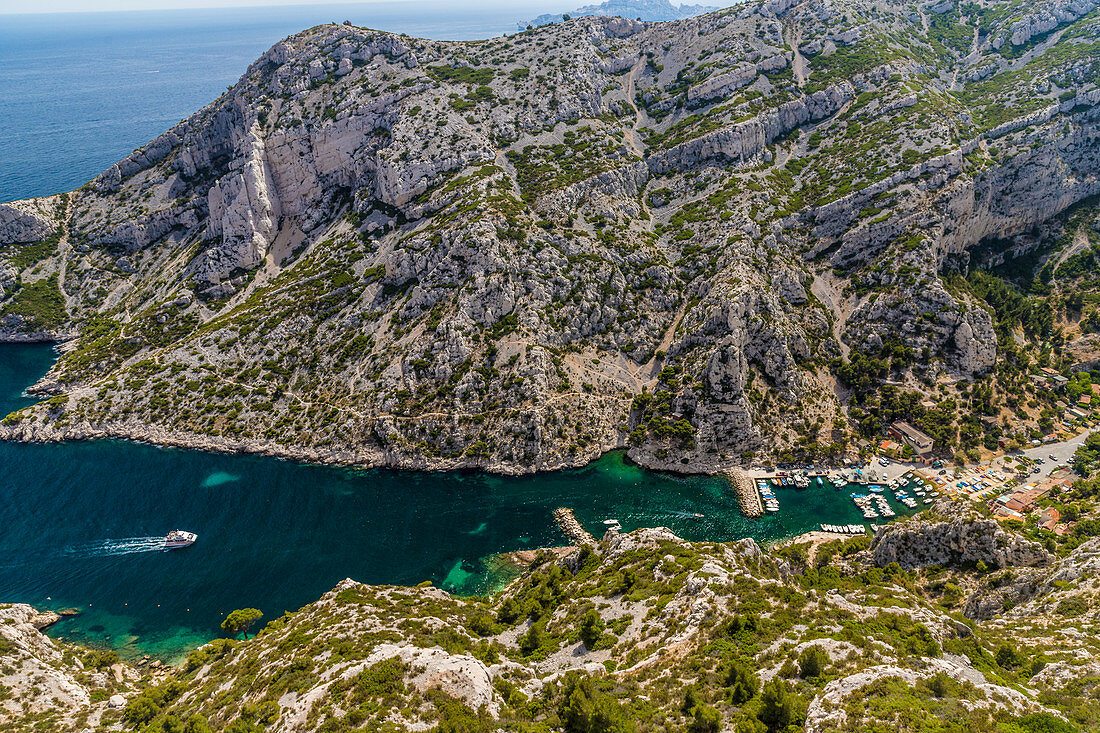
{"x":179,"y":538}
{"x":611,"y":521}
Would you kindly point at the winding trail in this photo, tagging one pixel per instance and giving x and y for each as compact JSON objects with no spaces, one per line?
{"x":631,"y":136}
{"x":793,"y":36}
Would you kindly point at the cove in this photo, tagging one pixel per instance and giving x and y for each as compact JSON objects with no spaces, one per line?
{"x":81,"y":523}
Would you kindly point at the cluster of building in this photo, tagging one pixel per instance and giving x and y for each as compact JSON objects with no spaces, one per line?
{"x":1049,"y":380}
{"x":1023,"y":501}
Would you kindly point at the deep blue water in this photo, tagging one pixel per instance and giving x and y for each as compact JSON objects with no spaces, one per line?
{"x":79,"y":524}
{"x":80,"y":91}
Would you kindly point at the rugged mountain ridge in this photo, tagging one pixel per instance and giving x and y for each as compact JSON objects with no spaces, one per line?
{"x":389,"y":251}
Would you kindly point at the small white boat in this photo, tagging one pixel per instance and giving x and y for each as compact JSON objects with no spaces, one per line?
{"x":610,"y":521}
{"x":179,"y":538}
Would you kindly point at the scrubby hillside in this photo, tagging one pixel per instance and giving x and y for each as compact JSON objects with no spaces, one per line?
{"x":703,"y":236}
{"x":650,"y":633}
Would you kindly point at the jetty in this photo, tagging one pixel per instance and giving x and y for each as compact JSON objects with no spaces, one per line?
{"x":747,"y":493}
{"x":577,"y":534}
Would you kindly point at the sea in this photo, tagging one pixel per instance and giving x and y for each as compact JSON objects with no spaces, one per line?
{"x":81,"y":524}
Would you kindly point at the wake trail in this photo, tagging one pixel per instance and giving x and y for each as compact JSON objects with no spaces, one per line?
{"x":108,"y":548}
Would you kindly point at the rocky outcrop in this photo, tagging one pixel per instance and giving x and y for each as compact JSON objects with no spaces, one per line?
{"x":26,"y":221}
{"x":44,"y":682}
{"x":742,"y":142}
{"x":960,"y":540}
{"x":451,"y":250}
{"x":1043,"y":18}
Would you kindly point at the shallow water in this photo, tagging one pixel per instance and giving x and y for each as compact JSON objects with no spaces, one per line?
{"x":81,"y":522}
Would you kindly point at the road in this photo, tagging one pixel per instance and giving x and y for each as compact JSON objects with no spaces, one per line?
{"x":1062,"y":452}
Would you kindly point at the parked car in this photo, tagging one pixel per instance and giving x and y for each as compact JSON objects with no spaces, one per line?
{"x":1053,"y":457}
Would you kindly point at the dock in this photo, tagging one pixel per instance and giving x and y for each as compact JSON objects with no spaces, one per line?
{"x":747,"y":494}
{"x":577,"y":534}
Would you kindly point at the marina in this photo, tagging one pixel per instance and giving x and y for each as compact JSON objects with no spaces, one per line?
{"x":873,"y":495}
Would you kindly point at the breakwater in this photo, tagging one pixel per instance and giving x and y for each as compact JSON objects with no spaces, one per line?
{"x":747,"y":494}
{"x":577,"y":534}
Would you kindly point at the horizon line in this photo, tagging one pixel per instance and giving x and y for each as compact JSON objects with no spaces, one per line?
{"x":258,"y":4}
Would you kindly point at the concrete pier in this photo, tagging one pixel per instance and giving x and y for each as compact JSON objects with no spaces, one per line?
{"x":747,"y":493}
{"x":577,"y":534}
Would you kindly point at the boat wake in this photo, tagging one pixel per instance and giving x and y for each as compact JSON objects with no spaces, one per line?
{"x":125,"y":546}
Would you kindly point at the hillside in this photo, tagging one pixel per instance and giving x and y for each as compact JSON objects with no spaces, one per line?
{"x":715,"y":238}
{"x":644,"y":632}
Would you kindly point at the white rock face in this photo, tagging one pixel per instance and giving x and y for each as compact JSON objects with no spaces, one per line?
{"x":244,"y":211}
{"x":963,"y":539}
{"x":25,"y":221}
{"x":826,"y":711}
{"x":459,"y":675}
{"x":35,"y":673}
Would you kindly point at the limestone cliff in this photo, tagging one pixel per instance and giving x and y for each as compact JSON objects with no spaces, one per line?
{"x":517,"y":253}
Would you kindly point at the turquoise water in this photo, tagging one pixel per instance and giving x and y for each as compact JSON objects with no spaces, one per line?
{"x":81,"y":521}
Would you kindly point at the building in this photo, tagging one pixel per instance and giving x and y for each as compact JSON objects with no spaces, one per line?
{"x":915,"y":439}
{"x":1049,"y":518}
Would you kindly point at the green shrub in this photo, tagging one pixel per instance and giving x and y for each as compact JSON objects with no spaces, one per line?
{"x":812,"y":662}
{"x":40,"y":303}
{"x":586,"y":708}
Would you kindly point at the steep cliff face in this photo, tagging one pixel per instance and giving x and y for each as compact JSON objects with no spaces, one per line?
{"x":387,"y":250}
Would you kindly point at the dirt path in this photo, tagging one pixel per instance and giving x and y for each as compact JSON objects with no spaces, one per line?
{"x":793,"y":37}
{"x":631,"y":136}
{"x":1079,"y":244}
{"x":666,"y":341}
{"x":826,"y":291}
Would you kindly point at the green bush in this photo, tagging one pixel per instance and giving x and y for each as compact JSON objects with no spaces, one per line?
{"x":592,"y":628}
{"x":1072,"y":607}
{"x":778,"y":706}
{"x":40,"y":303}
{"x":705,"y":719}
{"x":742,"y":681}
{"x":812,"y":662}
{"x":586,"y":708}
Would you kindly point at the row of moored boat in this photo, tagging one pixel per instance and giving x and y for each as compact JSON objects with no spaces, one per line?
{"x":844,"y":528}
{"x":767,"y":496}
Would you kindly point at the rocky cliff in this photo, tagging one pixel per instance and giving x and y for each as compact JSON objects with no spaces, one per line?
{"x":951,"y":536}
{"x":390,"y":251}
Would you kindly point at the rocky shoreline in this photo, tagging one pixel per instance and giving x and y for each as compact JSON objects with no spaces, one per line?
{"x":363,"y":459}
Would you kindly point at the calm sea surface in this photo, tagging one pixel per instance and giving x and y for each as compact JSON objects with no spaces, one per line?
{"x":82,"y":90}
{"x":82,"y":521}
